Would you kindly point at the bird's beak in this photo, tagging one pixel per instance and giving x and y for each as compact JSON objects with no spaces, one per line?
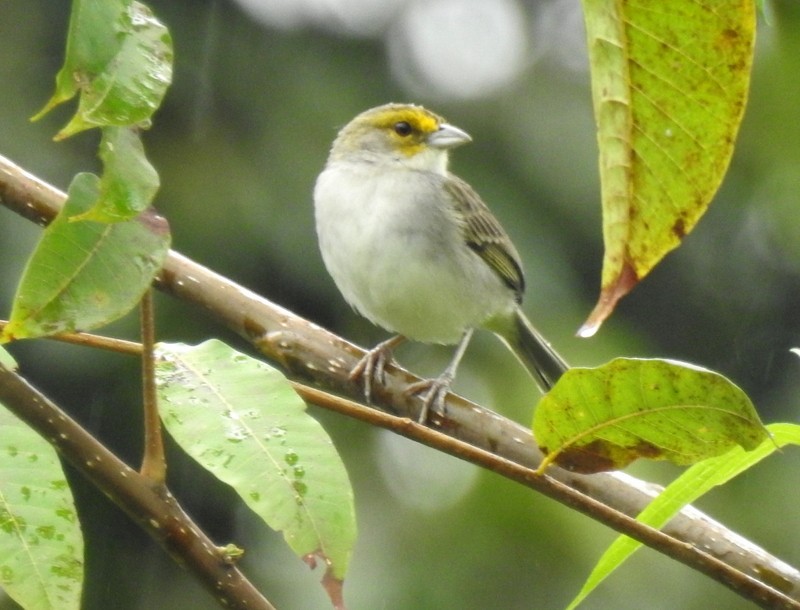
{"x":448,"y":136}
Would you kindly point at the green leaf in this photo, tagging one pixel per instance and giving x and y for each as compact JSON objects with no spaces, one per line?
{"x":85,"y":274}
{"x":92,"y":42}
{"x":686,"y":489}
{"x":669,"y":86}
{"x":604,"y":418}
{"x":128,"y":184}
{"x":7,"y":361}
{"x":120,"y":59}
{"x":41,"y":546}
{"x":241,"y":420}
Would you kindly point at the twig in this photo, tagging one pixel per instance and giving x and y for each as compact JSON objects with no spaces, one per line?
{"x":687,"y":554}
{"x":154,"y":464}
{"x":120,"y":346}
{"x":311,"y":353}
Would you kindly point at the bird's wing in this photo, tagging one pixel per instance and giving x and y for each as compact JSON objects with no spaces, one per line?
{"x":484,"y":234}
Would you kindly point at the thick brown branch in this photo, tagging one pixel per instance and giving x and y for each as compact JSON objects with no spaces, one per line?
{"x":311,"y":353}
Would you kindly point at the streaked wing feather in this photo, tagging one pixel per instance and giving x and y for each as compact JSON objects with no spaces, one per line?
{"x":484,"y":234}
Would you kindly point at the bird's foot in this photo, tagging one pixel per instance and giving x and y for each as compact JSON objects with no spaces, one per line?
{"x":433,"y":393}
{"x":372,"y":367}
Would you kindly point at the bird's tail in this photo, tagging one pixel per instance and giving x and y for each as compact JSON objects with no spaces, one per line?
{"x":533,"y":350}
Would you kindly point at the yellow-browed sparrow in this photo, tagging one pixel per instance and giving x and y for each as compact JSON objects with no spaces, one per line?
{"x":415,"y":250}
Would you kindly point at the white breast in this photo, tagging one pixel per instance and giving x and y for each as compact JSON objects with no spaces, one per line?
{"x":399,"y":257}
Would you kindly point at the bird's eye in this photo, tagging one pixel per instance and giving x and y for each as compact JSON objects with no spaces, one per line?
{"x":402,"y":129}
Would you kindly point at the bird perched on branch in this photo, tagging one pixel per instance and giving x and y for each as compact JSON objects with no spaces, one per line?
{"x":415,"y":250}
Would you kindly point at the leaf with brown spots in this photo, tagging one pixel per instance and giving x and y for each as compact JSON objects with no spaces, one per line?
{"x":602,"y":419}
{"x":669,"y":85}
{"x":694,"y":483}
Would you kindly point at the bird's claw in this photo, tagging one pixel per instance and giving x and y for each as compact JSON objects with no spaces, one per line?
{"x":433,"y":393}
{"x":372,"y":367}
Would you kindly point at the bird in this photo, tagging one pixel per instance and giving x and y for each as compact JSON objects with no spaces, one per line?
{"x":414,"y":249}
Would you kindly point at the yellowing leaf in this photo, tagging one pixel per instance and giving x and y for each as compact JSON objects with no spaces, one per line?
{"x":669,"y":86}
{"x":691,"y":485}
{"x":604,"y":418}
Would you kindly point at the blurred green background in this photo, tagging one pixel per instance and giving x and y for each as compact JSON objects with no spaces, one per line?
{"x":260,"y":89}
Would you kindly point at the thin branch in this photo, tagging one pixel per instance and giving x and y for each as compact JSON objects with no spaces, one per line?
{"x":689,"y":555}
{"x":119,"y":346}
{"x":151,"y":506}
{"x":310,"y":353}
{"x":154,"y":464}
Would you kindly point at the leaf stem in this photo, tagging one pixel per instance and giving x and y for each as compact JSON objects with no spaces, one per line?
{"x":120,"y":346}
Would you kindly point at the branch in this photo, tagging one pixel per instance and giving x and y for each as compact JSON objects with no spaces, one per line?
{"x":311,"y":353}
{"x":148,"y":504}
{"x":154,"y":464}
